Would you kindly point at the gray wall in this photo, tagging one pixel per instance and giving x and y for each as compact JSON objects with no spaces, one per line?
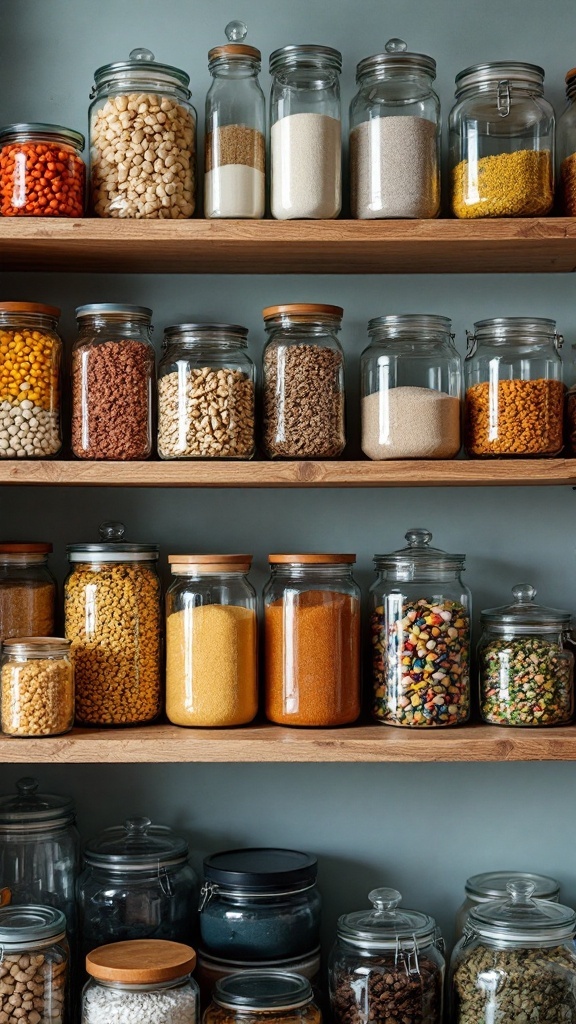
{"x":422,"y":828}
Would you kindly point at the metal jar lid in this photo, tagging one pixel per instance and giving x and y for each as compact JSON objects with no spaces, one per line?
{"x":263,"y":869}
{"x":205,"y":334}
{"x":41,"y":132}
{"x":112,"y":548}
{"x":137,"y":845}
{"x":410,"y":325}
{"x":306,"y":55}
{"x":516,"y":72}
{"x":141,"y":962}
{"x":34,"y":647}
{"x":522,"y":920}
{"x":29,"y":810}
{"x":29,"y":925}
{"x":385,"y":926}
{"x":419,"y":557}
{"x":505,"y":329}
{"x":524,"y":616}
{"x":114,"y":311}
{"x":141,"y":67}
{"x":396,"y":58}
{"x":262,"y":991}
{"x":491,"y":885}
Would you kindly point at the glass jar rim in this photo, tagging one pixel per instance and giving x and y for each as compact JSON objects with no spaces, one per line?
{"x":401,"y":61}
{"x":30,"y":923}
{"x":41,"y":132}
{"x":36,"y":647}
{"x":114,"y":311}
{"x":262,"y":991}
{"x":401,"y":323}
{"x":305,"y":55}
{"x":205,"y":334}
{"x":493,"y":72}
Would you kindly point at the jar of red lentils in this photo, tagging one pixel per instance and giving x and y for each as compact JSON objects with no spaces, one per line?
{"x":312,"y":640}
{"x":30,"y":366}
{"x":41,"y":171}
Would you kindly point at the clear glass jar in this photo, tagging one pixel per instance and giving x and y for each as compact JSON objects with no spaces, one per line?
{"x":491,"y":885}
{"x":33,"y":946}
{"x":211,"y":969}
{"x":41,"y":171}
{"x":262,"y":997}
{"x":113,"y":371}
{"x":303,"y":385}
{"x":386,"y":965}
{"x":211,"y":641}
{"x":137,"y":883}
{"x":27,"y":591}
{"x":30,"y":384}
{"x":36,"y":687}
{"x":514,"y":392}
{"x":411,"y":380}
{"x":312,"y":640}
{"x":206,"y":388}
{"x":39,"y":850}
{"x":305,"y":133}
{"x":566,"y":150}
{"x":113,"y":617}
{"x":235,"y":143}
{"x":516,"y":958}
{"x":501,"y":142}
{"x":420,"y":632}
{"x":395,"y":125}
{"x":526,"y":671}
{"x":144,"y":980}
{"x":142,"y":140}
{"x":260,"y":904}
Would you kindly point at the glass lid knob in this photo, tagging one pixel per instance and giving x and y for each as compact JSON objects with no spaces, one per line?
{"x":112,"y":531}
{"x":27,"y":786}
{"x":418,"y":538}
{"x":520,"y":890}
{"x":137,"y":826}
{"x":396,"y":46}
{"x":141,"y":53}
{"x":385,"y":899}
{"x":235,"y":31}
{"x":523,"y":593}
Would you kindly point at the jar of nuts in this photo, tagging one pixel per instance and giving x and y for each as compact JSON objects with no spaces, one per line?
{"x":113,"y":619}
{"x":36,"y":687}
{"x":34,"y":958}
{"x":142,"y":140}
{"x":206,"y":383}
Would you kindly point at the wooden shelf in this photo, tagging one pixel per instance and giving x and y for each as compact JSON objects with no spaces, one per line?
{"x":539,"y":245}
{"x":364,"y":743}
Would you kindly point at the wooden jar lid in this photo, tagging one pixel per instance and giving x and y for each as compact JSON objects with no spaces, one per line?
{"x":141,"y":961}
{"x":303,"y":309}
{"x":311,"y":559}
{"x":30,"y":307}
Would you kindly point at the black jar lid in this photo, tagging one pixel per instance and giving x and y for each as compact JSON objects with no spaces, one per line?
{"x":28,"y":810}
{"x":265,"y":868}
{"x":262,"y":990}
{"x":137,"y":845}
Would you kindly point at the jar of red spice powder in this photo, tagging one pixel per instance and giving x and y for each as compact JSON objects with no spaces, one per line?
{"x":312,"y":640}
{"x":41,"y":171}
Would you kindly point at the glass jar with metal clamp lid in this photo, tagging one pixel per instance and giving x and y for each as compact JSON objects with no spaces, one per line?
{"x":387,"y":964}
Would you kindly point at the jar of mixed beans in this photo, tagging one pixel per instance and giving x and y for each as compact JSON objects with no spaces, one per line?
{"x":36,"y":687}
{"x":491,"y":885}
{"x":263,"y":997}
{"x":27,"y":591}
{"x":34,"y":964}
{"x":303,"y":386}
{"x":501,"y":142}
{"x":514,"y":402}
{"x":420,"y":634}
{"x":113,"y":373}
{"x":41,"y":171}
{"x":312,"y":640}
{"x":386,"y":965}
{"x":30,"y":369}
{"x":113,"y":618}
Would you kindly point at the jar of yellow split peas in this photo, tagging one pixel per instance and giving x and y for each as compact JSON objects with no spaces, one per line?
{"x":30,"y":365}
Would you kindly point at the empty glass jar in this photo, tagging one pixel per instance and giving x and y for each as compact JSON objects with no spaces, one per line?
{"x":263,"y":997}
{"x":27,"y":591}
{"x":34,"y":964}
{"x":491,"y":885}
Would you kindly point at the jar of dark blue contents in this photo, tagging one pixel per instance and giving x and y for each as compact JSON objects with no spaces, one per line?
{"x":260,"y":904}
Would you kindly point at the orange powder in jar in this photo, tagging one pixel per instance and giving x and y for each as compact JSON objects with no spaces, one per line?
{"x":313,"y":658}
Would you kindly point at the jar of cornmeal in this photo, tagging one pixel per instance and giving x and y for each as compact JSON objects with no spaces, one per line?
{"x":263,"y":997}
{"x":211,"y":641}
{"x":27,"y":591}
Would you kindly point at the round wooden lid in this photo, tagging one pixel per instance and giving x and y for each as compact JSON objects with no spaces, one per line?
{"x":25,"y":549}
{"x":141,"y":961}
{"x":29,"y":307}
{"x":302,"y":309}
{"x":210,"y":563}
{"x":311,"y":559}
{"x":234,"y":50}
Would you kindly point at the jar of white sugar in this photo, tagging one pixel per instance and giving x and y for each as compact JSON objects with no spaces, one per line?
{"x":147,"y":980}
{"x":305,"y":142}
{"x":395,"y":136}
{"x":411,"y":388}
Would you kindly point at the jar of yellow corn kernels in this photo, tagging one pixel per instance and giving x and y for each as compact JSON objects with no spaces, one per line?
{"x":30,"y":364}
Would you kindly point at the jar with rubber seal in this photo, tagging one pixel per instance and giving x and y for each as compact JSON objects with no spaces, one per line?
{"x":491,"y":885}
{"x":263,"y":997}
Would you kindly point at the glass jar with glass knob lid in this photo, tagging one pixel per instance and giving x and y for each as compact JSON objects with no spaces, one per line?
{"x":395,"y":136}
{"x":491,"y":885}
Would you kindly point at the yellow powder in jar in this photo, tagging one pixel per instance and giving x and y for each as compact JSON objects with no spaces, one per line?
{"x":211,"y":675}
{"x":508,"y":185}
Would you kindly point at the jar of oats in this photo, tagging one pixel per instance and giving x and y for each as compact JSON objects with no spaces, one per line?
{"x":34,"y":957}
{"x":142,"y":140}
{"x":36,"y":687}
{"x":113,"y":619}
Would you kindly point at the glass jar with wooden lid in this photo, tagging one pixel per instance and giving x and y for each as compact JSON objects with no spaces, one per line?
{"x":27,"y":590}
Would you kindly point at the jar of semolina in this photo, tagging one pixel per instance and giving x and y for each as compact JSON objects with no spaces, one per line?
{"x":30,"y":369}
{"x":27,"y":591}
{"x":501,"y":142}
{"x":514,"y":391}
{"x":211,"y":641}
{"x":112,"y":615}
{"x":36,"y":687}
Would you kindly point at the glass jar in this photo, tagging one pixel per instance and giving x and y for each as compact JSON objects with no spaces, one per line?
{"x":41,"y":171}
{"x":491,"y":885}
{"x":411,"y":389}
{"x":420,"y":631}
{"x":211,"y":641}
{"x":235,"y":143}
{"x":142,"y":140}
{"x":303,"y":385}
{"x":27,"y":591}
{"x":30,"y":369}
{"x":386,"y":965}
{"x":137,"y":883}
{"x":305,"y":134}
{"x":262,"y":997}
{"x":395,"y":128}
{"x":566,"y":150}
{"x":39,"y":850}
{"x":206,"y":387}
{"x":260,"y":904}
{"x":514,"y":391}
{"x":501,"y":142}
{"x":144,"y":980}
{"x":113,"y":617}
{"x":516,"y":957}
{"x":526,"y":670}
{"x":312,"y":640}
{"x":211,"y":969}
{"x":36,"y":687}
{"x":33,"y":946}
{"x":113,"y":370}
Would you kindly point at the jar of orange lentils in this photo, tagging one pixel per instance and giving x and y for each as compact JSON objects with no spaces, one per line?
{"x":30,"y":365}
{"x":41,"y":171}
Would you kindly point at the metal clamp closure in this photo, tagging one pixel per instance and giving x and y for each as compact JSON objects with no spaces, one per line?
{"x":211,"y":889}
{"x":407,"y":955}
{"x":504,"y":100}
{"x":558,"y":341}
{"x":472,"y":344}
{"x":166,"y":883}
